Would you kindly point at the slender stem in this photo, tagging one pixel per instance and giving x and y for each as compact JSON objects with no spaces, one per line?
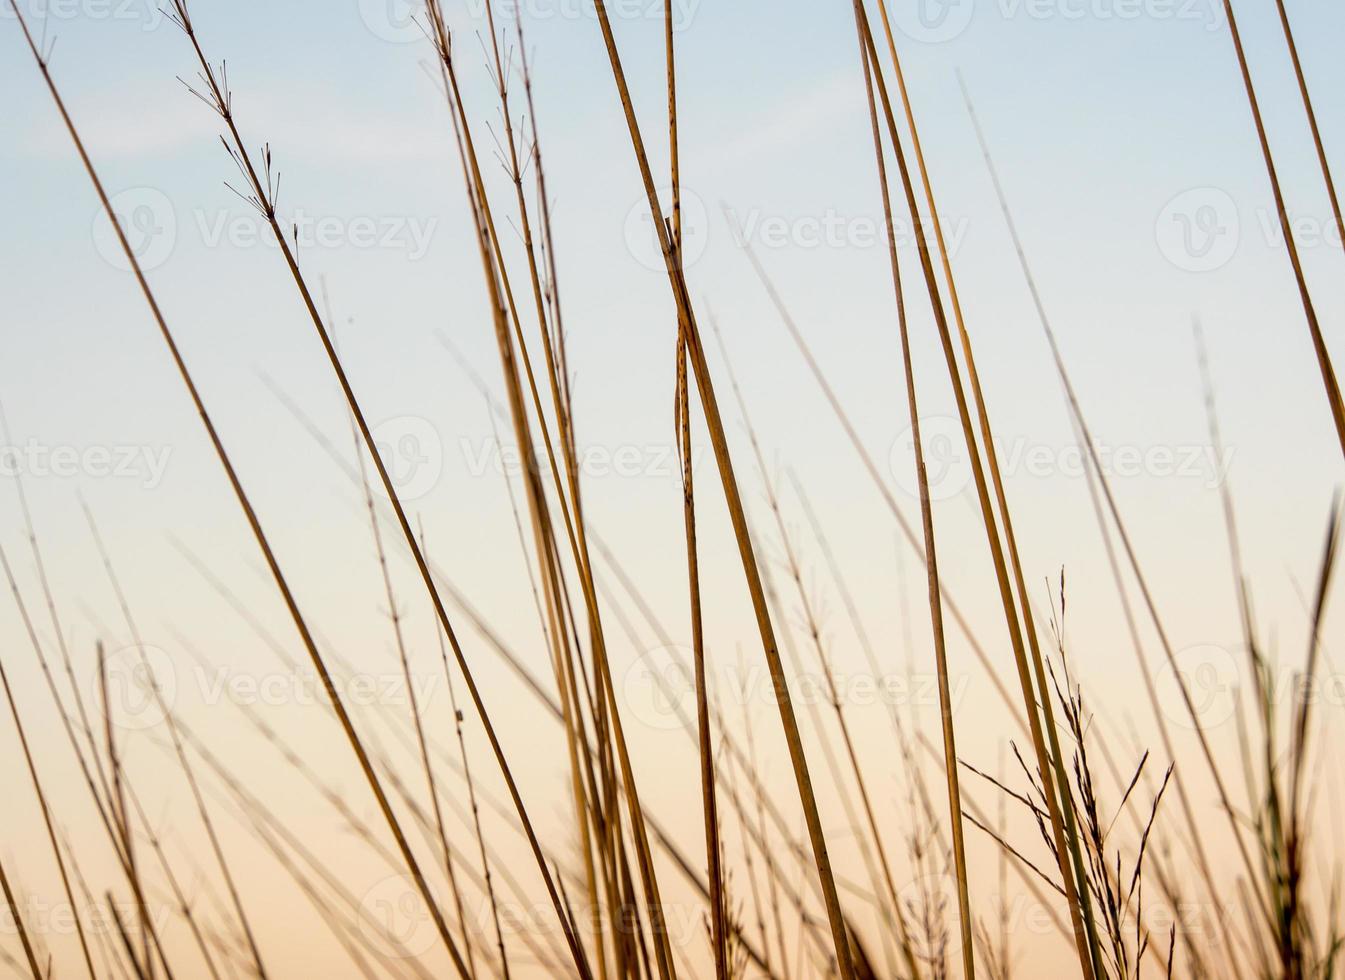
{"x":1328,"y":372}
{"x":737,"y":514}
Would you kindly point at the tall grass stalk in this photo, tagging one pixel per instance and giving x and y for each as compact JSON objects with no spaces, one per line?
{"x":263,"y":191}
{"x":908,"y":533}
{"x":203,"y":812}
{"x":1312,"y":117}
{"x":497,"y":282}
{"x":413,"y":701}
{"x":179,"y":896}
{"x":1104,"y":484}
{"x":992,"y":460}
{"x":682,"y":411}
{"x":1328,"y":371}
{"x":19,"y":926}
{"x":47,"y":822}
{"x":813,"y":628}
{"x":467,"y":778}
{"x":737,"y":513}
{"x":241,"y":495}
{"x":1067,"y":845}
{"x":556,"y":707}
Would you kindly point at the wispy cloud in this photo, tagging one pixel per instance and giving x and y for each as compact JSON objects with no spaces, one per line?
{"x":798,"y":119}
{"x":129,"y":126}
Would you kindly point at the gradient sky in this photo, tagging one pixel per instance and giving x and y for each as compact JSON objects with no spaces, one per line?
{"x":1118,"y":126}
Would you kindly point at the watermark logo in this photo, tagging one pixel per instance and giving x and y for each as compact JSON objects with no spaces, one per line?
{"x":642,"y":236}
{"x":413,"y":454}
{"x":393,"y":21}
{"x":660,"y":690}
{"x":133,"y":673}
{"x":57,"y":12}
{"x":153,"y":230}
{"x":654,"y":461}
{"x":947,"y":463}
{"x":1199,"y":230}
{"x":400,"y":233}
{"x":393,"y":916}
{"x":145,"y":464}
{"x":148,"y":220}
{"x":933,"y":21}
{"x":832,"y":229}
{"x":1209,"y":676}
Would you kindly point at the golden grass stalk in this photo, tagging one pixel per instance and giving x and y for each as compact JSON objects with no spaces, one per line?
{"x":263,"y":188}
{"x":608,"y":708}
{"x":709,"y":804}
{"x":872,"y":69}
{"x":467,"y":777}
{"x":19,"y":926}
{"x":813,"y":628}
{"x":122,"y":821}
{"x":1104,"y":484}
{"x":1312,"y":118}
{"x":737,"y":513}
{"x":216,"y":847}
{"x":1066,"y":842}
{"x":241,"y":495}
{"x":727,"y":740}
{"x":41,"y":795}
{"x":45,"y":807}
{"x":179,"y":896}
{"x":126,"y":943}
{"x":992,"y":459}
{"x":497,"y":279}
{"x":555,"y":707}
{"x":908,"y":533}
{"x":103,"y":802}
{"x":413,"y":701}
{"x":1324,"y":364}
{"x":272,"y":833}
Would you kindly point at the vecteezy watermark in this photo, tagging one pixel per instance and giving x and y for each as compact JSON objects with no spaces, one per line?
{"x":148,"y":220}
{"x":1026,"y":915}
{"x":939,"y":21}
{"x":144,"y":684}
{"x":394,"y":917}
{"x":149,"y":14}
{"x":1200,"y":686}
{"x":765,"y":231}
{"x":305,"y":688}
{"x":655,"y":461}
{"x":394,"y":233}
{"x":153,"y":230}
{"x":832,"y":229}
{"x":145,"y":465}
{"x":400,"y":21}
{"x":136,"y":687}
{"x":948,"y":465}
{"x":933,"y":21}
{"x":641,"y":231}
{"x":1201,"y":229}
{"x":659,"y":689}
{"x":412,"y":452}
{"x":55,"y":919}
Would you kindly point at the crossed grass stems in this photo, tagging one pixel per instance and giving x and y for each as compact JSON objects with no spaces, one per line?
{"x":623,"y":933}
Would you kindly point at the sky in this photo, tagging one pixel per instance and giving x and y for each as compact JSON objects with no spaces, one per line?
{"x":1124,"y":142}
